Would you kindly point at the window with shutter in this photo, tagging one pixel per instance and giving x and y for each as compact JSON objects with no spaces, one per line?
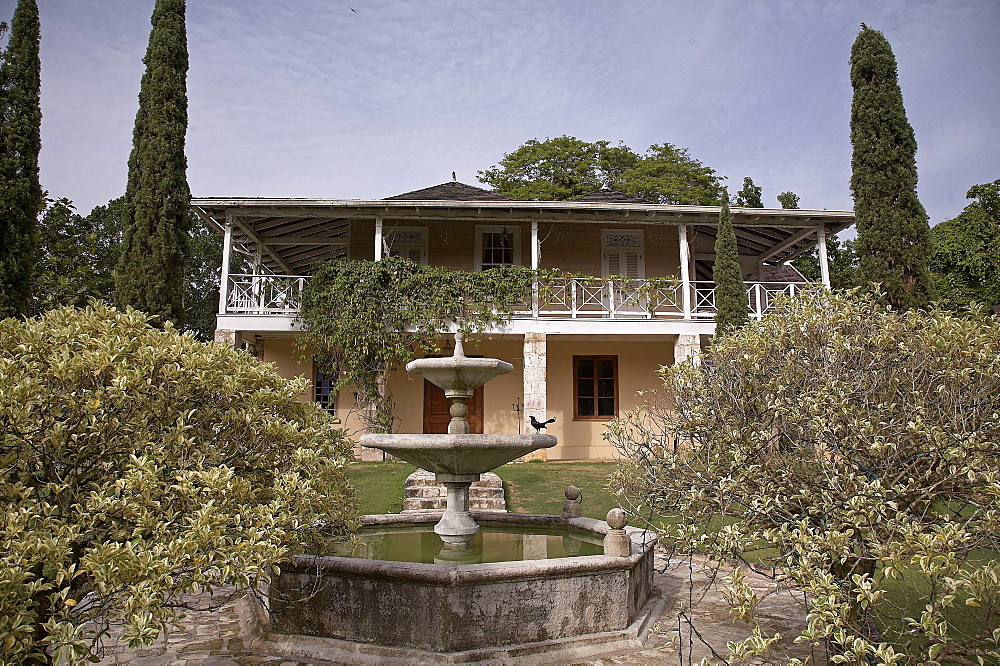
{"x":622,"y":253}
{"x":407,"y":242}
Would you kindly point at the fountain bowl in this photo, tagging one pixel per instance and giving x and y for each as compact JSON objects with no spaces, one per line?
{"x":529,"y":611}
{"x":458,"y":455}
{"x":459,"y":376}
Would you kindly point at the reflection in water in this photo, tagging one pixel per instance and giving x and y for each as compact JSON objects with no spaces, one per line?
{"x":489,"y":545}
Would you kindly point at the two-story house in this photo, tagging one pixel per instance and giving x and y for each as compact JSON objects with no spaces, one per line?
{"x":581,"y":355}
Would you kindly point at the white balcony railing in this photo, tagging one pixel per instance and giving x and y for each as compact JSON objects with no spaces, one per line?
{"x":575,"y":298}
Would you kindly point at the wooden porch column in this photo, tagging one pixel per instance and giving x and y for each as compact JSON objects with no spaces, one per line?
{"x":378,"y":238}
{"x":536,"y":252}
{"x":227,"y":249}
{"x":682,"y":231}
{"x":824,"y":265}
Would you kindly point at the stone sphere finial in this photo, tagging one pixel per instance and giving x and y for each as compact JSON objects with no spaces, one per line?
{"x":572,"y":493}
{"x":616,"y":519}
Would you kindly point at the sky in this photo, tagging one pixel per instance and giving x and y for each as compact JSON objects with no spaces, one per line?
{"x":361,"y":100}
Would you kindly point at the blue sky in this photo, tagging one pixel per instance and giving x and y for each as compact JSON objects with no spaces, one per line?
{"x":309,"y":98}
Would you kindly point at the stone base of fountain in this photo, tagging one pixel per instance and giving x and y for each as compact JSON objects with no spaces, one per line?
{"x":350,"y":610}
{"x":423,"y":493}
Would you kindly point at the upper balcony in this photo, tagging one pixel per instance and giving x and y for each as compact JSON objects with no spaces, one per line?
{"x":272,"y":245}
{"x":568,"y":298}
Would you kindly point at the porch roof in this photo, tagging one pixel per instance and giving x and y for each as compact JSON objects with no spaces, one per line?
{"x":293,"y":234}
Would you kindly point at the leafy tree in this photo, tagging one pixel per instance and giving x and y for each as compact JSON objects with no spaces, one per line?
{"x":850,"y":452}
{"x":138,"y":465}
{"x":841,"y":258}
{"x":21,"y":197}
{"x":555,"y":169}
{"x":566,"y":167}
{"x":788,"y":200}
{"x":155,"y":243}
{"x":749,"y":196}
{"x":730,"y":295}
{"x":965,"y":265}
{"x":667,"y":174}
{"x":78,"y":255}
{"x":893,"y":236}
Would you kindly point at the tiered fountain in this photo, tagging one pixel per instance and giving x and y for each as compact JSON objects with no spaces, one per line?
{"x":459,"y":604}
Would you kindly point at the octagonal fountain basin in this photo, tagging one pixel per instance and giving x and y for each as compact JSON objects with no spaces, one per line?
{"x":458,"y":455}
{"x":358,"y":610}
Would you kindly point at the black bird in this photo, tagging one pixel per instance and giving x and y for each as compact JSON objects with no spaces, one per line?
{"x":539,"y":426}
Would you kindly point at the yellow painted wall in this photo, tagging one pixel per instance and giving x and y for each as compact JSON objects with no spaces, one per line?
{"x":637,"y":366}
{"x":578,"y":440}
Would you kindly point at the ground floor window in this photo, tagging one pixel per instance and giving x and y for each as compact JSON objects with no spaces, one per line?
{"x":323,"y":393}
{"x":595,"y":387}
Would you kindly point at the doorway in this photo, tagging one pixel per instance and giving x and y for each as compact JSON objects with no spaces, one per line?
{"x":437,"y":406}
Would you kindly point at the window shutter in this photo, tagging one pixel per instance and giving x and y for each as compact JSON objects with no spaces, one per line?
{"x":614,"y":263}
{"x":631,"y":264}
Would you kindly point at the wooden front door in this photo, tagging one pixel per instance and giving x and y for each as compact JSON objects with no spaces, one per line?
{"x":437,"y":416}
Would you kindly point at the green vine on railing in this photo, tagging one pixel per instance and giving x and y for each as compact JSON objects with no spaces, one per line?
{"x":362,"y":319}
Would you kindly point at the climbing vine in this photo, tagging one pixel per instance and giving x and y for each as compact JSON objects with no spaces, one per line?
{"x":362,"y":319}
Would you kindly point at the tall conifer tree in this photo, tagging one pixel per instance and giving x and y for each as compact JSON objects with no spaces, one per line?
{"x":21,"y":197}
{"x":893,"y":235}
{"x":730,"y":296}
{"x":150,"y":273}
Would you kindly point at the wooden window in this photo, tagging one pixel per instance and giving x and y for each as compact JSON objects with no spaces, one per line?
{"x":323,"y":393}
{"x":497,"y":246}
{"x":595,"y":387}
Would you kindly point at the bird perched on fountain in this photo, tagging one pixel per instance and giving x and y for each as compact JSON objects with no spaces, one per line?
{"x":539,"y":426}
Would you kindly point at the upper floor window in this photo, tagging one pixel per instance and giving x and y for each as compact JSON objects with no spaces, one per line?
{"x":497,"y":246}
{"x":622,"y":253}
{"x":407,"y":242}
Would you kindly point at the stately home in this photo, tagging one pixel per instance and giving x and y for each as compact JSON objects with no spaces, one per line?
{"x":579,"y":355}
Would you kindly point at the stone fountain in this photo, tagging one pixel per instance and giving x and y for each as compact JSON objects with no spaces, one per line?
{"x":457,"y":606}
{"x":458,"y":458}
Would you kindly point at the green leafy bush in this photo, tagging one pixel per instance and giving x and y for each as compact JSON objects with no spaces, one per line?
{"x":850,"y":451}
{"x":138,"y":465}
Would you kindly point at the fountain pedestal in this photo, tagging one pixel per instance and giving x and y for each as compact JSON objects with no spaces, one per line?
{"x":457,"y":526}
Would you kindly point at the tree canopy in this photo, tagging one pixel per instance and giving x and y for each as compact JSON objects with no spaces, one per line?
{"x":155,"y":242}
{"x":965,"y":264}
{"x":749,"y":196}
{"x":566,"y":168}
{"x":893,"y":235}
{"x":21,"y":197}
{"x":138,"y":465}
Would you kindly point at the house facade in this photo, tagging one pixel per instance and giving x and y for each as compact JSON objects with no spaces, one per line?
{"x":580,"y":356}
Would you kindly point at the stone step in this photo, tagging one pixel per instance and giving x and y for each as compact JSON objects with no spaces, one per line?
{"x":422,"y":493}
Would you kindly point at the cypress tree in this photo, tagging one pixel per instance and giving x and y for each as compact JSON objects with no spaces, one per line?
{"x":150,"y":272}
{"x":730,"y":296}
{"x":21,"y":197}
{"x":893,"y":235}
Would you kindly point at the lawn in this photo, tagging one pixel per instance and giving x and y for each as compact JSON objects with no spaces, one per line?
{"x":531,"y":487}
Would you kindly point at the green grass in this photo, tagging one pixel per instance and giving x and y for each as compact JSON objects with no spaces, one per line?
{"x":539,"y":487}
{"x":379,"y":485}
{"x":531,"y":487}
